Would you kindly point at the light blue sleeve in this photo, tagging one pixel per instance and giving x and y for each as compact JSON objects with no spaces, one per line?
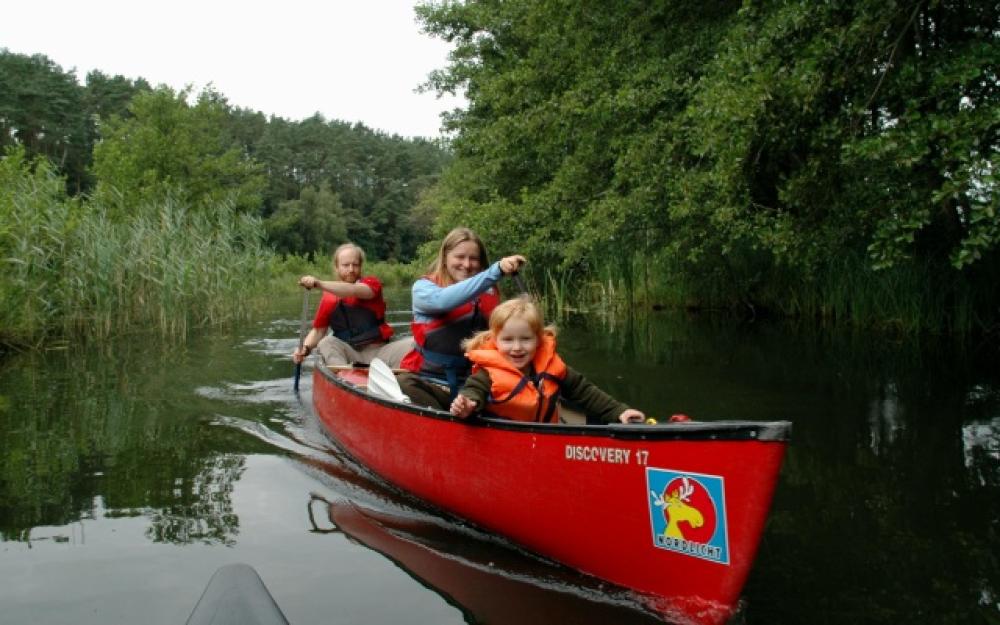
{"x":430,"y":299}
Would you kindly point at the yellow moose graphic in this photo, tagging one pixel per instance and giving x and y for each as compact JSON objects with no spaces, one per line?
{"x":675,"y":506}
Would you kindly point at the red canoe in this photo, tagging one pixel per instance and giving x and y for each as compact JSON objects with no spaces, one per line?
{"x":673,"y":512}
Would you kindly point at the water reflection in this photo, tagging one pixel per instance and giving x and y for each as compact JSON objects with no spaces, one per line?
{"x":981,"y":444}
{"x":884,"y":418}
{"x":886,"y":511}
{"x":119,"y":424}
{"x":203,"y":511}
{"x":489,"y":582}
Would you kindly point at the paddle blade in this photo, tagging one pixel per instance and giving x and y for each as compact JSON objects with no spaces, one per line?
{"x":382,"y":382}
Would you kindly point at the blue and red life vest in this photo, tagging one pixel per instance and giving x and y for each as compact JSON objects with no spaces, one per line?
{"x":438,"y":352}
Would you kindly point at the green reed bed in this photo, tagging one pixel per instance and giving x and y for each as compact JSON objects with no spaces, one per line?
{"x":166,"y":268}
{"x":908,"y":298}
{"x":606,"y":287}
{"x":35,"y":219}
{"x":70,"y":269}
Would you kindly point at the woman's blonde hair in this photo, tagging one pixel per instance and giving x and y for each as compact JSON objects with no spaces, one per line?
{"x":438,"y":271}
{"x":344,"y":247}
{"x":522,"y":307}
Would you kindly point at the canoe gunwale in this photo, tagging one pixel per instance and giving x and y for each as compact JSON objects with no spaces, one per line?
{"x":763,"y":431}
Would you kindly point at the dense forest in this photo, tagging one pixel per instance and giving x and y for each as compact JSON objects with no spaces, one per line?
{"x":831,"y":159}
{"x":312,"y":181}
{"x":822,"y":160}
{"x":124,"y":205}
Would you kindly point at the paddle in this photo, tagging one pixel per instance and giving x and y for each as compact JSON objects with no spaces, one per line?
{"x":383,"y":383}
{"x":520,"y":283}
{"x":302,"y":336}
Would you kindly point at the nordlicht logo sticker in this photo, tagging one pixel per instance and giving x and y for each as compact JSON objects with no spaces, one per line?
{"x":688,"y":513}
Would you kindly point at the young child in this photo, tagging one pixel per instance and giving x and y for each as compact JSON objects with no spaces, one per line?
{"x":518,"y":375}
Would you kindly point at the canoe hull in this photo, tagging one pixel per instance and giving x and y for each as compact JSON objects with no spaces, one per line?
{"x":597,"y":499}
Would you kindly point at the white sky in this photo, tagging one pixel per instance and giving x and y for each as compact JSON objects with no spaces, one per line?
{"x":351,"y":60}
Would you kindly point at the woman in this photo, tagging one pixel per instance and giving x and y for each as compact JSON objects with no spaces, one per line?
{"x":450,"y":304}
{"x":353,"y":309}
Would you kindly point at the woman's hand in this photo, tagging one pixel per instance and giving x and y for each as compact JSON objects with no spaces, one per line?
{"x":511,"y":264}
{"x":308,"y":282}
{"x":462,"y":407}
{"x":631,"y":416}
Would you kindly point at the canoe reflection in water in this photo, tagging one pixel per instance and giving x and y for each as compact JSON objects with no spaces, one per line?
{"x":489,"y":582}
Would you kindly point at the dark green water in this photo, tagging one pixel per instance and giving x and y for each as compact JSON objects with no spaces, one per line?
{"x":129,"y":473}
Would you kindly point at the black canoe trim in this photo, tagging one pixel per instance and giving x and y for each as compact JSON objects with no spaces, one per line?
{"x":765,"y":431}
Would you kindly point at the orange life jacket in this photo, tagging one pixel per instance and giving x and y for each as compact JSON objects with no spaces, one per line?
{"x":520,"y":397}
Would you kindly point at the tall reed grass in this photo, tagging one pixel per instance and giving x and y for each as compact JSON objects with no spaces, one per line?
{"x":917,"y":297}
{"x":69,"y":268}
{"x":913,"y":298}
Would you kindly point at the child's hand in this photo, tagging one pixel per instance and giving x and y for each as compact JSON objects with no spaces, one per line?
{"x":462,"y":407}
{"x":631,"y":416}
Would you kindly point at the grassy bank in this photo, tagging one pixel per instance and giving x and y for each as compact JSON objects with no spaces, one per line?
{"x":908,"y":299}
{"x":68,"y":269}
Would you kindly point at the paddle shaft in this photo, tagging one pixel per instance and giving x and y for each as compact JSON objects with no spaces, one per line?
{"x":519,"y":282}
{"x":302,"y":336}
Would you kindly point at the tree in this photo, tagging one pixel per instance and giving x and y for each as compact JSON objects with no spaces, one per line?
{"x":168,"y":144}
{"x":314,"y":223}
{"x":735,"y":144}
{"x":109,"y":96}
{"x":41,"y":108}
{"x":377,"y":178}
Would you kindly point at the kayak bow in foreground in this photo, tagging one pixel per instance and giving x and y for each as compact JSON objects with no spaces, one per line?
{"x":236,"y":596}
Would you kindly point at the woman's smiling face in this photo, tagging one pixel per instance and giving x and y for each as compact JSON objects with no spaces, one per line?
{"x":463,"y":261}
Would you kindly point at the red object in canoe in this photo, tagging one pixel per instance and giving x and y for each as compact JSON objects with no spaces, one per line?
{"x":673,"y":512}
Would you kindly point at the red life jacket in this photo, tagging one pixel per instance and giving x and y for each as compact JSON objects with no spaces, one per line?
{"x":520,"y":397}
{"x":357,"y":322}
{"x":439,"y":342}
{"x":357,"y":325}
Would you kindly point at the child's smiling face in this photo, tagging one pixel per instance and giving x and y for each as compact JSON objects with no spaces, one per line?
{"x":517,"y":342}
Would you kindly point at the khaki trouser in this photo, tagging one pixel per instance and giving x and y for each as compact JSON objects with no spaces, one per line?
{"x":423,"y":392}
{"x":333,"y":351}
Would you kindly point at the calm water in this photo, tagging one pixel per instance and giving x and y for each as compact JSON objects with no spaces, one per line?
{"x":130,"y":473}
